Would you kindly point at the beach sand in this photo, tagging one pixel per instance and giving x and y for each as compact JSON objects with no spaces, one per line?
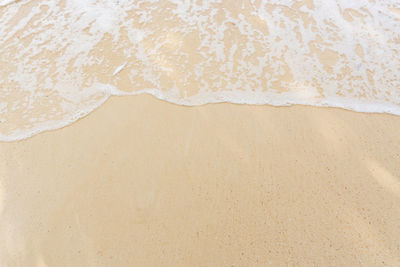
{"x":142,"y":182}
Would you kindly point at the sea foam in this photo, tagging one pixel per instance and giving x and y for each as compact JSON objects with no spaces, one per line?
{"x":62,"y":59}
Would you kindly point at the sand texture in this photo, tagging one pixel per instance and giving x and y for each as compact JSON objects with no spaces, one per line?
{"x":142,"y":182}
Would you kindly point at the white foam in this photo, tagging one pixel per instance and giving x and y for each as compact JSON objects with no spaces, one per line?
{"x":119,"y":69}
{"x":64,"y":61}
{"x":6,"y":2}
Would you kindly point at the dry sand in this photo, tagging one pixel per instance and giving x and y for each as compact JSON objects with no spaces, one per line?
{"x":141,"y":182}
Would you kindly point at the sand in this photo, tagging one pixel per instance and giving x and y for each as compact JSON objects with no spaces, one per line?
{"x":142,"y":182}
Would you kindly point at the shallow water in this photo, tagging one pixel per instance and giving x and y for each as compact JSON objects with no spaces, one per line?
{"x":63,"y":59}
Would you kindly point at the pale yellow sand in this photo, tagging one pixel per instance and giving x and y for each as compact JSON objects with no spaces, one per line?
{"x":141,"y":182}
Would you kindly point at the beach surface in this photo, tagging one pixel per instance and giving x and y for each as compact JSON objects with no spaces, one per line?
{"x":143,"y":182}
{"x":148,"y":169}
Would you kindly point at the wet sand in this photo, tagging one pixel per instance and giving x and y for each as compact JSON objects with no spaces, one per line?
{"x":142,"y":182}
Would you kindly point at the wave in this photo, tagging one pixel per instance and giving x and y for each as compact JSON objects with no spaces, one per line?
{"x":66,"y":58}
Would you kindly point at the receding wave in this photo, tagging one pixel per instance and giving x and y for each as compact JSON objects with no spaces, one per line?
{"x":62,"y":59}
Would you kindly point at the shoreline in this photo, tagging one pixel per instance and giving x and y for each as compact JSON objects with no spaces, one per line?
{"x":61,"y":125}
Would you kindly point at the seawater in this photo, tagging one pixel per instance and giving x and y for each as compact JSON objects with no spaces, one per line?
{"x":60,"y":60}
